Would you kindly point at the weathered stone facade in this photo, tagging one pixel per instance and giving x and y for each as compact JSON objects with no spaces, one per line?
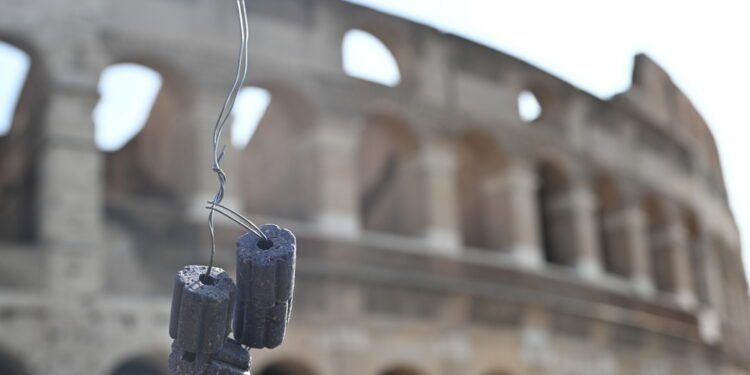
{"x":438,"y":233}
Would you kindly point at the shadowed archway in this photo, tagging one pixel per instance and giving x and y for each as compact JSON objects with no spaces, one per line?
{"x":20,"y":147}
{"x":285,"y":368}
{"x":479,"y":166}
{"x":9,"y":365}
{"x":611,"y":227}
{"x":389,"y":185}
{"x":660,"y":246}
{"x":141,"y":366}
{"x":401,"y":370}
{"x":555,"y":214}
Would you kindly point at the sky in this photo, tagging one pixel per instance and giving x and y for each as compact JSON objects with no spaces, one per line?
{"x":704,"y":46}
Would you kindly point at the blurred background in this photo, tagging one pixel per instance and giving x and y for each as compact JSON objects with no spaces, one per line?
{"x":477,"y":187}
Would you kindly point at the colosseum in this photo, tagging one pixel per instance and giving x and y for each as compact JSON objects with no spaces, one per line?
{"x":440,"y":233}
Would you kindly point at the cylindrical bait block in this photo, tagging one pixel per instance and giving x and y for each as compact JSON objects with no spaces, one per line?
{"x":232,"y":359}
{"x":265,"y":282}
{"x":202,"y":309}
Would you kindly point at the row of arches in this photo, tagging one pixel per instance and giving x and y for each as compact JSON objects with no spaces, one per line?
{"x":139,"y":93}
{"x":482,"y":163}
{"x":389,"y":183}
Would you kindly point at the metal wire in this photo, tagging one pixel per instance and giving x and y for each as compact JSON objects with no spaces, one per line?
{"x":226,"y":111}
{"x":236,"y":217}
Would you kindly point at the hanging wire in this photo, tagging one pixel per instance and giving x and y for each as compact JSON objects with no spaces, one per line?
{"x":236,"y":217}
{"x":226,"y":111}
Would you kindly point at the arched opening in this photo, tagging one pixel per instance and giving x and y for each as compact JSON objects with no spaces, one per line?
{"x":128,"y":92}
{"x":401,"y":371}
{"x":662,"y":262}
{"x":555,"y":221}
{"x":612,"y":236}
{"x":139,"y":126}
{"x":389,"y":183}
{"x":250,"y":108}
{"x":276,"y":167}
{"x":540,"y":103}
{"x":529,"y":107}
{"x":15,"y":65}
{"x":143,"y":132}
{"x":141,"y":366}
{"x":286,"y":368}
{"x":11,"y":366}
{"x":479,"y":195}
{"x":23,"y":102}
{"x":367,"y":57}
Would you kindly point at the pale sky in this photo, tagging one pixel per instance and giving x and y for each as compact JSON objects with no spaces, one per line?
{"x":704,"y":46}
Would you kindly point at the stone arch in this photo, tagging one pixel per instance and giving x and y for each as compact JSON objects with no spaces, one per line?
{"x":396,"y":39}
{"x":555,"y":224}
{"x":480,"y":164}
{"x":155,"y":162}
{"x":389,"y":185}
{"x":548,"y":99}
{"x":359,"y":43}
{"x":11,"y":365}
{"x":286,"y":367}
{"x":612,"y":242}
{"x":276,"y":168}
{"x":20,"y":150}
{"x":141,"y":365}
{"x":662,"y":262}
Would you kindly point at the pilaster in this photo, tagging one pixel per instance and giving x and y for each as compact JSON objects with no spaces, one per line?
{"x":683,"y":272}
{"x":334,"y":149}
{"x":512,"y":193}
{"x":579,"y":203}
{"x":436,"y":168}
{"x":634,"y":226}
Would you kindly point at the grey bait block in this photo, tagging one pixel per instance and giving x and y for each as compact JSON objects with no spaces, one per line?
{"x":265,"y":282}
{"x":232,"y":359}
{"x":202,"y":309}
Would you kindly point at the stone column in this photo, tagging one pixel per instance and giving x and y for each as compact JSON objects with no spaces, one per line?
{"x":71,"y":188}
{"x":714,"y":282}
{"x":514,"y":212}
{"x":70,"y":171}
{"x":70,"y":182}
{"x":699,"y":253}
{"x":683,"y":273}
{"x":579,"y":205}
{"x":436,"y":168}
{"x":333,"y":146}
{"x":633,"y":222}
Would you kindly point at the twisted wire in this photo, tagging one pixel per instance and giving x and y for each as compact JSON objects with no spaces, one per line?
{"x":214,"y":205}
